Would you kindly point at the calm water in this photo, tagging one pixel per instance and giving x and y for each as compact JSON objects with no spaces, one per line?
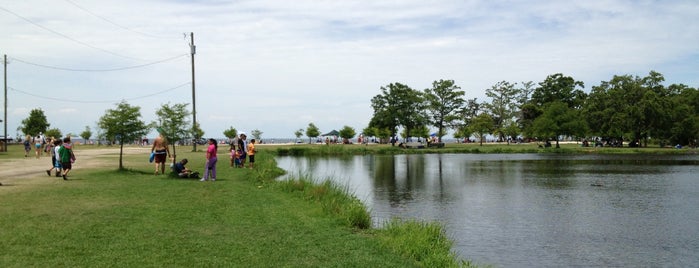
{"x":531,"y":210}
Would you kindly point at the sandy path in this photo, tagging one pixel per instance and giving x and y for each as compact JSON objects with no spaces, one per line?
{"x":18,"y":172}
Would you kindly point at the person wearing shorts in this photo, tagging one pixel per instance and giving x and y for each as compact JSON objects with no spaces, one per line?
{"x":251,"y":153}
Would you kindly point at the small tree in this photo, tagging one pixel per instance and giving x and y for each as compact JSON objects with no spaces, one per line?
{"x":312,"y":131}
{"x":53,"y":132}
{"x":86,"y":134}
{"x":482,"y":125}
{"x":230,"y":133}
{"x":298,"y":134}
{"x":123,"y":124}
{"x":172,"y":123}
{"x":197,"y":133}
{"x":257,"y":134}
{"x":347,"y":133}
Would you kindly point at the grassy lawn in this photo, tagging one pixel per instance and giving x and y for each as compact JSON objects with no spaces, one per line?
{"x":109,"y":218}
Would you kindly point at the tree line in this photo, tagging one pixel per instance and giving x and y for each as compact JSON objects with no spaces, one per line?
{"x":632,"y":109}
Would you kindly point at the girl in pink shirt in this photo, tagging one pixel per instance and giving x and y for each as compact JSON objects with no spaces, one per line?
{"x":211,"y":159}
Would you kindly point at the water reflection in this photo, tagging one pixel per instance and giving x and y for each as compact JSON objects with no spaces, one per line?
{"x":535,"y":210}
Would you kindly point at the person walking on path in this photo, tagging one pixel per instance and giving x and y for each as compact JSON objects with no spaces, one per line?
{"x":67,"y":157}
{"x":27,"y":145}
{"x":211,"y":159}
{"x":161,"y":151}
{"x":52,"y":150}
{"x":38,"y":143}
{"x":251,"y":154}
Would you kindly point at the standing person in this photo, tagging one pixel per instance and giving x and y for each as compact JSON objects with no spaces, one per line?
{"x":251,"y":153}
{"x":27,"y":145}
{"x":67,"y":157}
{"x":210,"y":167}
{"x":161,"y":151}
{"x":242,"y":145}
{"x":234,"y":156}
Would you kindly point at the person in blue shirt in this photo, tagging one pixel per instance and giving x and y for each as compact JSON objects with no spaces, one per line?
{"x":182,"y":171}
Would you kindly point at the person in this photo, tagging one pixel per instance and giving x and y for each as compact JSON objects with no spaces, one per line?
{"x":210,"y":167}
{"x":234,"y":156}
{"x":38,"y":142}
{"x":251,"y":153}
{"x":67,"y":157}
{"x":27,"y":146}
{"x":242,"y":145}
{"x":56,"y":148}
{"x":182,"y":171}
{"x":161,"y":151}
{"x":55,"y":162}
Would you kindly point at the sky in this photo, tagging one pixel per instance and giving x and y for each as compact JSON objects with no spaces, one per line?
{"x":276,"y":66}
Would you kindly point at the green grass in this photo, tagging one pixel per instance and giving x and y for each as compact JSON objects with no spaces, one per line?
{"x":131,"y":218}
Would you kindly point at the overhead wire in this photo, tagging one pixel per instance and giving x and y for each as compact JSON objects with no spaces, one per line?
{"x":68,"y":37}
{"x":100,"y":101}
{"x":97,"y":70}
{"x":114,"y":23}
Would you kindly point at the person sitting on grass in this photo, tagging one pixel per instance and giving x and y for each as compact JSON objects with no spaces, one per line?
{"x":182,"y":171}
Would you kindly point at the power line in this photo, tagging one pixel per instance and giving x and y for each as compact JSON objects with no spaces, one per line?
{"x":114,"y":23}
{"x":68,"y":37}
{"x":97,"y":70}
{"x":99,"y":101}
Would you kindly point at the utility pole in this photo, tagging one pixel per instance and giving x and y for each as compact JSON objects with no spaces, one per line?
{"x":4,"y":121}
{"x":193,"y":50}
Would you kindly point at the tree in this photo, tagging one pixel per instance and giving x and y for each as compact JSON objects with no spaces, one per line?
{"x":559,"y":120}
{"x":312,"y":132}
{"x":121,"y":124}
{"x":557,"y":87}
{"x":197,"y":134}
{"x":347,"y":133}
{"x":257,"y":134}
{"x":502,"y":106}
{"x":172,"y":124}
{"x":398,"y":105}
{"x":86,"y":134}
{"x":53,"y":132}
{"x":298,"y":133}
{"x":482,"y":125}
{"x":36,"y":123}
{"x":444,"y":100}
{"x":230,"y":133}
{"x":369,"y":132}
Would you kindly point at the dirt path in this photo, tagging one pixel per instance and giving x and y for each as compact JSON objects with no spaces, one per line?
{"x":18,"y":173}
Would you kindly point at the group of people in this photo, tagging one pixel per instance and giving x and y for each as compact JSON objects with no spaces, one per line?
{"x":62,"y":156}
{"x":241,"y":150}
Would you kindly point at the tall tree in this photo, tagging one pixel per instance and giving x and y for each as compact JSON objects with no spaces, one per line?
{"x":557,"y":87}
{"x":173,"y":124}
{"x":502,"y":106}
{"x":398,"y":105}
{"x":36,"y":123}
{"x":312,"y":132}
{"x":123,"y":123}
{"x":230,"y":133}
{"x":444,"y":100}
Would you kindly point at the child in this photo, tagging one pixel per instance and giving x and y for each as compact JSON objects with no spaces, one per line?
{"x":251,"y":153}
{"x":234,"y":157}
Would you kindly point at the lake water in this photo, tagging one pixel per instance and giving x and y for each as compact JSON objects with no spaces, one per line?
{"x":535,"y":210}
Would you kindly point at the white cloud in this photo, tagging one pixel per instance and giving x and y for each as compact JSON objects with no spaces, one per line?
{"x":279,"y":65}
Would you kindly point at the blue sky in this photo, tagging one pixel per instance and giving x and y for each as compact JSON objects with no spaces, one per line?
{"x":278,"y":65}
